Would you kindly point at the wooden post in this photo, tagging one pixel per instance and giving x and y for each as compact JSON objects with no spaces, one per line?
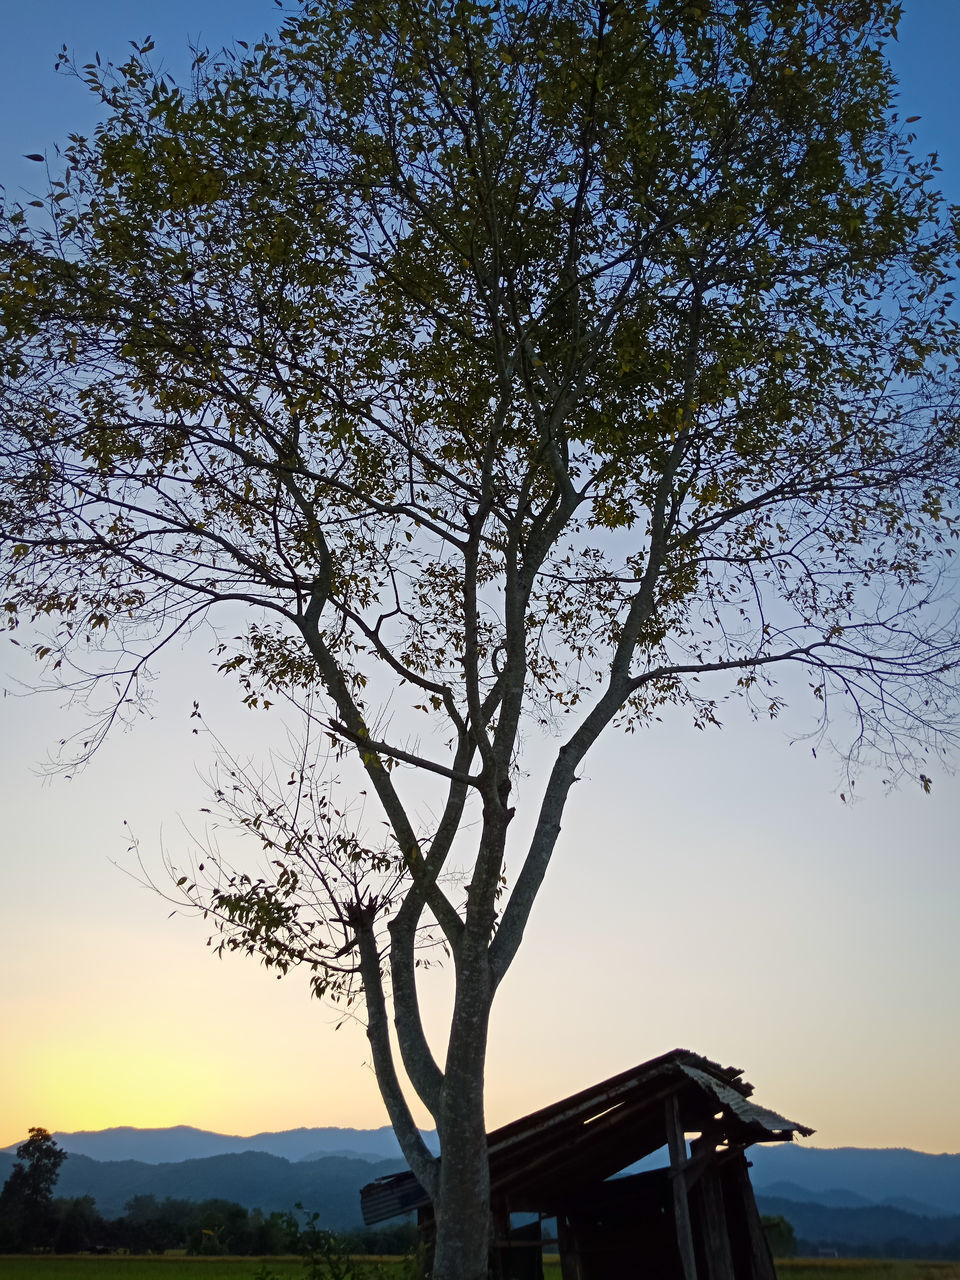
{"x":761,"y":1259}
{"x":681,"y":1209}
{"x":568,"y":1245}
{"x":716,"y":1240}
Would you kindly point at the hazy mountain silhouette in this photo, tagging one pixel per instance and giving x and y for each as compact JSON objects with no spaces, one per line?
{"x":845,"y":1195}
{"x":837,"y":1197}
{"x":183,"y":1142}
{"x":329,"y":1186}
{"x":872,"y":1229}
{"x":845,"y":1177}
{"x":887,"y":1175}
{"x":840,"y":1198}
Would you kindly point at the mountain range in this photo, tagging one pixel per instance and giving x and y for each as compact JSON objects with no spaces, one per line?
{"x":870,"y":1229}
{"x":846,"y":1195}
{"x":183,"y":1142}
{"x":914,"y":1181}
{"x":330,"y":1186}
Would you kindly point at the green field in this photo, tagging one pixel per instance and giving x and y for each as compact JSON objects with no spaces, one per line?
{"x":118,"y":1267}
{"x":865,"y":1269}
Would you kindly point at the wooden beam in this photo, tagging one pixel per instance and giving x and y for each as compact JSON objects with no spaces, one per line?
{"x":568,"y":1244}
{"x":681,"y":1208}
{"x":760,"y":1261}
{"x":713,"y":1219}
{"x":702,"y":1157}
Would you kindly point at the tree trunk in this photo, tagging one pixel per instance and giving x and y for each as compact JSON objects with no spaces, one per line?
{"x":462,"y":1205}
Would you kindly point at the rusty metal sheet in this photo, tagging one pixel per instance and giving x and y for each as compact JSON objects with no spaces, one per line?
{"x":749,"y":1112}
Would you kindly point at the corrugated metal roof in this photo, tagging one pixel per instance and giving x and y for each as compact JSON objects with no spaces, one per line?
{"x":771,"y":1122}
{"x":601,"y":1130}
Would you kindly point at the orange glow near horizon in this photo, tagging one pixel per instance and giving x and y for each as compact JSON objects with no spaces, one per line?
{"x":145,"y":1077}
{"x":176,"y":1037}
{"x":91,"y":1086}
{"x":151,"y":1091}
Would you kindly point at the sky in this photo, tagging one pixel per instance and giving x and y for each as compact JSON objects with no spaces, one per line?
{"x":711,"y":889}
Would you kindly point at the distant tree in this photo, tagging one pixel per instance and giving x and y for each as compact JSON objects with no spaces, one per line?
{"x":781,"y":1236}
{"x":396,"y":1238}
{"x":218,"y":1227}
{"x":151,"y":1225}
{"x":501,"y":373}
{"x":27,"y":1219}
{"x":142,"y":1208}
{"x":272,"y":1233}
{"x":78,"y":1225}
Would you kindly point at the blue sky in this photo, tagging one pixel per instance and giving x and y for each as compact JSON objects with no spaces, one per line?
{"x":712,"y":890}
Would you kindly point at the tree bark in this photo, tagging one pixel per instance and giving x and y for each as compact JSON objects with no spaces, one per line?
{"x":462,"y":1205}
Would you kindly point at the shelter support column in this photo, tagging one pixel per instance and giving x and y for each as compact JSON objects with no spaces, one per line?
{"x":681,"y":1207}
{"x":570,"y":1268}
{"x":713,"y":1224}
{"x":737,"y":1177}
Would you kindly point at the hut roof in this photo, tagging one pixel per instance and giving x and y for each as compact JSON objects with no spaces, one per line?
{"x":601,"y":1130}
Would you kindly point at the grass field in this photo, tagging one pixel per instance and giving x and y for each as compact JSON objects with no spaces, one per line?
{"x":150,"y":1268}
{"x":117,"y":1267}
{"x":865,"y":1269}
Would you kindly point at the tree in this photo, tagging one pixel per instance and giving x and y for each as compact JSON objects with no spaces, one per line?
{"x":780,"y":1234}
{"x":515,"y":368}
{"x":79,"y":1225}
{"x":26,"y":1200}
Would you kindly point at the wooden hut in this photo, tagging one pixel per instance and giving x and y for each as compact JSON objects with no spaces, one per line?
{"x":694,"y":1218}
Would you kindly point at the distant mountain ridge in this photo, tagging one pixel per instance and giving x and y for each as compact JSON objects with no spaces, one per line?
{"x":841,"y":1177}
{"x":837,"y":1197}
{"x":840,"y":1198}
{"x":183,"y":1142}
{"x":874,"y":1200}
{"x":872,"y":1229}
{"x":329,"y":1186}
{"x":915,"y":1181}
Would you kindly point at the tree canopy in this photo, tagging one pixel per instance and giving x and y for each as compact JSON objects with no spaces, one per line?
{"x":26,"y":1198}
{"x":514,"y":369}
